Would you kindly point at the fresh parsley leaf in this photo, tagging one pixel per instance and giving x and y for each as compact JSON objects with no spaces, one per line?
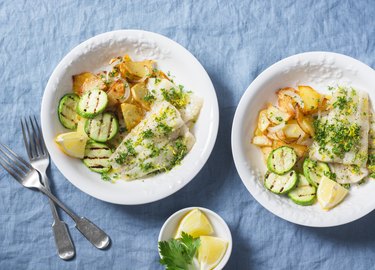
{"x":178,"y":254}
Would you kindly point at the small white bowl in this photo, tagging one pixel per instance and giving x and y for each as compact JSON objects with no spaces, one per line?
{"x":319,"y":70}
{"x":220,"y":227}
{"x":92,"y":55}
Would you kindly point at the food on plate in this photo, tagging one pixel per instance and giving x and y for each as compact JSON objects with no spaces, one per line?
{"x":315,"y":146}
{"x":128,"y":121}
{"x":194,"y":246}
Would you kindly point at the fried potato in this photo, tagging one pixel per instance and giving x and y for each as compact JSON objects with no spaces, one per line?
{"x":117,"y":93}
{"x":277,"y":116}
{"x":136,"y":71}
{"x":132,"y":115}
{"x":262,"y":141}
{"x":263,"y":121}
{"x":311,"y":99}
{"x":301,"y":150}
{"x":293,"y":131}
{"x":258,"y":132}
{"x":140,"y":92}
{"x":286,"y":102}
{"x":93,"y":83}
{"x":79,"y":80}
{"x":305,"y":122}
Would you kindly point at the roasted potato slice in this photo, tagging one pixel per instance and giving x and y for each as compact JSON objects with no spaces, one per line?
{"x":258,"y":132}
{"x":311,"y":99}
{"x":263,"y":121}
{"x":301,"y":150}
{"x":141,"y":95}
{"x":277,"y":116}
{"x":293,"y":131}
{"x":132,"y":115}
{"x":93,"y":83}
{"x":286,"y":102}
{"x":136,"y":71}
{"x":262,"y":141}
{"x":79,"y":80}
{"x":117,"y":93}
{"x":305,"y":122}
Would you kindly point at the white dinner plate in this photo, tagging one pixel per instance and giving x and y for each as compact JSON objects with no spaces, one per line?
{"x":94,"y":54}
{"x":319,"y":70}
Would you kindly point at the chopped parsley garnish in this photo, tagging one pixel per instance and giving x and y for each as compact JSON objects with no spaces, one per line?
{"x":105,"y":177}
{"x":164,"y":128}
{"x":278,"y":118}
{"x":123,"y":155}
{"x":146,"y":166}
{"x":178,"y":254}
{"x":177,"y":97}
{"x":149,"y":97}
{"x":179,"y":152}
{"x":147,"y":134}
{"x":343,"y":136}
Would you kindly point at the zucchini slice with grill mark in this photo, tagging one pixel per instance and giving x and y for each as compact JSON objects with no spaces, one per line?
{"x":92,"y":103}
{"x":67,"y":111}
{"x":304,"y":194}
{"x":280,"y":184}
{"x":314,"y":170}
{"x":281,"y":160}
{"x":97,"y":157}
{"x":102,"y":127}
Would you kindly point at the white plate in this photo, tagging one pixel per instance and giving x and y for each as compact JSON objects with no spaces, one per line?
{"x":95,"y":53}
{"x":221,"y":229}
{"x":319,"y":70}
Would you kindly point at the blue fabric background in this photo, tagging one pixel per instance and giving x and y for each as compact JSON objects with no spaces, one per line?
{"x":234,"y":41}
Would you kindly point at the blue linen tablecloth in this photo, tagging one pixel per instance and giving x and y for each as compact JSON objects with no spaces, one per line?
{"x":234,"y":41}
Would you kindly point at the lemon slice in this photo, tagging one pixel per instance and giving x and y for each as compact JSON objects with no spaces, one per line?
{"x":211,"y":251}
{"x":330,"y":193}
{"x":72,"y":143}
{"x":195,"y":223}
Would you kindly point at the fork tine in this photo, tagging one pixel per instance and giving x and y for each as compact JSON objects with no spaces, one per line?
{"x":35,"y":138}
{"x":31,"y":143}
{"x":26,"y":139}
{"x":39,"y":135}
{"x":11,"y":172}
{"x":15,"y":158}
{"x":10,"y":165}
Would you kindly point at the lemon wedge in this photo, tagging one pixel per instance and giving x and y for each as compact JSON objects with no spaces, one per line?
{"x":211,"y":251}
{"x":330,"y":193}
{"x":194,"y":223}
{"x":72,"y":143}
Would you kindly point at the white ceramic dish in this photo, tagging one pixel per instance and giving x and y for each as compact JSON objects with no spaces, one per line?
{"x":219,"y":225}
{"x":319,"y":70}
{"x":94,"y":54}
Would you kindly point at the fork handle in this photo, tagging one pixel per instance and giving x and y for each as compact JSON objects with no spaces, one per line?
{"x":65,"y":247}
{"x":93,"y":233}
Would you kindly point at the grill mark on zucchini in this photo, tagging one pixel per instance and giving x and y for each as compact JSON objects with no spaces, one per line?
{"x":67,"y":111}
{"x":97,"y":102}
{"x":88,"y":101}
{"x":102,"y":127}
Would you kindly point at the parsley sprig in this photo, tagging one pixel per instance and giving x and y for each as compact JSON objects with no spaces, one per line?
{"x":178,"y":254}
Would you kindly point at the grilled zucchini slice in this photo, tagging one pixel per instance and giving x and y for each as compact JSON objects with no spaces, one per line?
{"x":96,"y":157}
{"x":304,"y":194}
{"x":280,"y":184}
{"x":314,"y":170}
{"x":92,"y":103}
{"x":281,"y":160}
{"x":67,"y":111}
{"x":102,"y":127}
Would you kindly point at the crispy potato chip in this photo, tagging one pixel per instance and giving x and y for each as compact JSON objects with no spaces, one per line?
{"x":286,"y":102}
{"x":136,"y":71}
{"x":132,"y":115}
{"x":79,"y":80}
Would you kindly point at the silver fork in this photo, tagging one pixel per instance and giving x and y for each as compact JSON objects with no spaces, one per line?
{"x":39,"y":159}
{"x":27,"y":176}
